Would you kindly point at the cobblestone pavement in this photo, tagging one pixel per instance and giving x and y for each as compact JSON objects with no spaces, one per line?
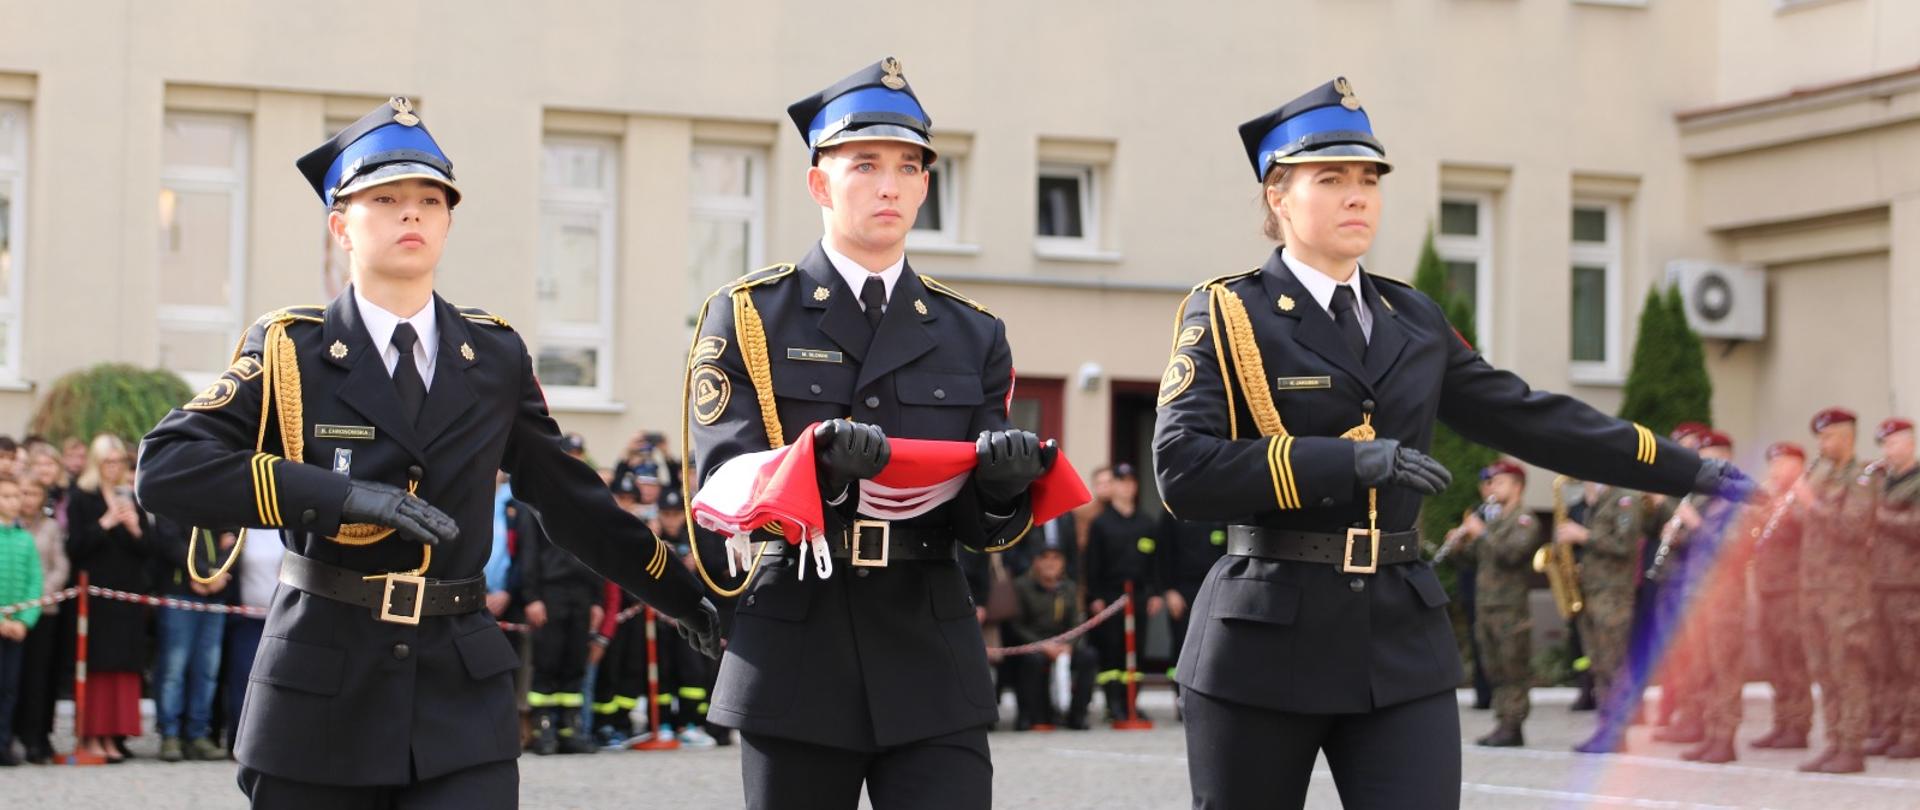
{"x":1098,"y":769}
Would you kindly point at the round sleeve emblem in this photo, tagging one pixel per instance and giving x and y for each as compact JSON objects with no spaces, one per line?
{"x":711,"y":390}
{"x":1178,"y":376}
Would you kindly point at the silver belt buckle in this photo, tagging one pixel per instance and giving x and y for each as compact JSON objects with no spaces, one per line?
{"x":857,"y":543}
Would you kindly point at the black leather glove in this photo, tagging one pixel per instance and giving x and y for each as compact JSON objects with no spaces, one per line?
{"x":388,"y":505}
{"x":702,"y":629}
{"x":1723,"y":480}
{"x":1006,"y":462}
{"x":849,"y":451}
{"x":1383,"y":461}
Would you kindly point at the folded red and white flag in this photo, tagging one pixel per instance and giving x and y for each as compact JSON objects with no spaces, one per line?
{"x":780,"y":490}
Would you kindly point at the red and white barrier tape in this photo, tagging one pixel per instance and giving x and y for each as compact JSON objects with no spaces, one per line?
{"x":45,"y":601}
{"x":1070,"y":635}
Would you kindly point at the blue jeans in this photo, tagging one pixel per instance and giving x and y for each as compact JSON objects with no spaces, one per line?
{"x":11,"y":654}
{"x":187,"y":671}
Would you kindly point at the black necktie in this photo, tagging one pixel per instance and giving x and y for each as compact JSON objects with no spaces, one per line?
{"x":1348,"y":320}
{"x":873,"y":296}
{"x":406,"y":375}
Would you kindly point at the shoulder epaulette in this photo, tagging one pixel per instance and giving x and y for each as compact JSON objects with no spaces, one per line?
{"x":1224,"y":279}
{"x":1390,"y":280}
{"x":941,"y":288}
{"x":310,"y":313}
{"x":478,"y":315}
{"x":764,"y":275}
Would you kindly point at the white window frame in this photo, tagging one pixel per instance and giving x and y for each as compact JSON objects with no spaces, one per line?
{"x":1783,"y":6}
{"x":14,"y":177}
{"x":948,"y":234}
{"x":1609,"y":254}
{"x":750,"y":210}
{"x":1088,"y":242}
{"x":1477,"y":249}
{"x":604,"y":207}
{"x":226,"y":321}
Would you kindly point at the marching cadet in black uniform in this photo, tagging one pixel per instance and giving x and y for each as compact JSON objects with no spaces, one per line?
{"x":368,"y":433}
{"x":877,"y":674}
{"x":1297,"y":405}
{"x":1122,"y":547}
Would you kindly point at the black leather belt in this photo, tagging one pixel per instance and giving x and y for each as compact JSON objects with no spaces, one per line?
{"x":874,"y":543}
{"x":1353,"y":552}
{"x":395,"y":598}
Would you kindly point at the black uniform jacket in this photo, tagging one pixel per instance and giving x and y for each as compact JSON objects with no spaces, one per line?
{"x":869,"y":657}
{"x":1304,"y":637}
{"x":337,"y":696}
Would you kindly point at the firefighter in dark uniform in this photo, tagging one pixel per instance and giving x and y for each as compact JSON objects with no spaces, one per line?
{"x":1192,"y":547}
{"x":561,"y":593}
{"x":877,"y":674}
{"x":368,"y":433}
{"x":1123,"y":547}
{"x":1297,"y":405}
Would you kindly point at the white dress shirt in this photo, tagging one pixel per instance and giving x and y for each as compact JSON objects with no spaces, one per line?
{"x":1321,"y":287}
{"x":380,"y":325}
{"x":856,"y":275}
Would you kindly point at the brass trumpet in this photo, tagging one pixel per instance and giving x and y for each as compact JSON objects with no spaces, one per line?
{"x":1555,"y":559}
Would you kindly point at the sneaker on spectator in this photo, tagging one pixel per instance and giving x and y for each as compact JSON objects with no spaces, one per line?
{"x":694,"y":737}
{"x":205,"y":750}
{"x":609,"y":739}
{"x":170,"y":750}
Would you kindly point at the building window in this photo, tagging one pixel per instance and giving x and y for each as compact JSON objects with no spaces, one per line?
{"x":1465,"y":245}
{"x":1068,"y":216}
{"x":574,"y":288}
{"x":939,"y":220}
{"x":202,"y":242}
{"x":13,"y":216}
{"x":727,"y":220}
{"x":1595,"y":298}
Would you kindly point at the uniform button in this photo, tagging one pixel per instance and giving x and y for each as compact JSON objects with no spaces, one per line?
{"x":1327,"y":501}
{"x":401,"y":651}
{"x":939,"y":393}
{"x":416,"y":473}
{"x":309,"y":516}
{"x":1366,"y":405}
{"x":814,"y":388}
{"x":873,"y":402}
{"x":861,"y":572}
{"x":751,"y":598}
{"x":1357,"y":585}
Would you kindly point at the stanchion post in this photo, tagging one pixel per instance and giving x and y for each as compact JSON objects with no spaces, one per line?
{"x":80,"y":755}
{"x":1133,"y":721}
{"x":654,"y":741}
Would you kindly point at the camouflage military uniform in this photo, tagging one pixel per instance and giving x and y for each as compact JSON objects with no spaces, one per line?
{"x":1722,"y":548}
{"x":1682,"y":677}
{"x":1502,"y":625}
{"x":1836,"y":578}
{"x":1776,"y":579}
{"x":1896,"y":591}
{"x":1608,"y":574}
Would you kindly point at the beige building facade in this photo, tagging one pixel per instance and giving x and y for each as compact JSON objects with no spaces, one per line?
{"x":621,"y":159}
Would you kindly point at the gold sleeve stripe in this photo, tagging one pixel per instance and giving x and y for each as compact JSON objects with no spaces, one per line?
{"x":1649,"y":447}
{"x":1286,"y":492}
{"x":1015,"y":541}
{"x":266,"y":493}
{"x":658,"y":565}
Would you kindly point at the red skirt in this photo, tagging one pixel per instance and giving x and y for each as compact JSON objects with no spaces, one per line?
{"x":113,"y":705}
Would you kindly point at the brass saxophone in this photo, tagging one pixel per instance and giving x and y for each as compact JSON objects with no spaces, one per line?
{"x":1555,"y":559}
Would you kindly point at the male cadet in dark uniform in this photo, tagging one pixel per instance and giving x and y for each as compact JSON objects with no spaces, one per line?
{"x":876,"y":674}
{"x":1122,"y":548}
{"x":1776,"y":581}
{"x":368,"y":433}
{"x":1608,"y":534}
{"x":1297,"y":405}
{"x":1503,"y":624}
{"x":1896,"y":582}
{"x":1838,"y":499}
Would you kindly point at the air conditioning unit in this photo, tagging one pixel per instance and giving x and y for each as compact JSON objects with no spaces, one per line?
{"x":1724,"y":301}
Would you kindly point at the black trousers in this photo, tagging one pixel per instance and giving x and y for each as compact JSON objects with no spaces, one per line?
{"x":686,"y":677}
{"x":1109,"y":641}
{"x":39,"y":682}
{"x":560,"y":648}
{"x":1033,"y":682}
{"x":1405,"y":757}
{"x":491,"y":786}
{"x":949,"y":772}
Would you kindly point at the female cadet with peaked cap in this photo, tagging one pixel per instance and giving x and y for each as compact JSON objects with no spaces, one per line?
{"x":1297,"y":406}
